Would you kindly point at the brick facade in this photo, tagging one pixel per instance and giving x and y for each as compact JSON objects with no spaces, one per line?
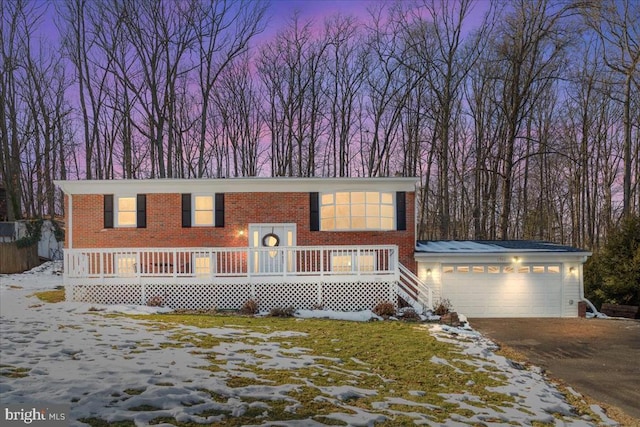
{"x":164,"y":224}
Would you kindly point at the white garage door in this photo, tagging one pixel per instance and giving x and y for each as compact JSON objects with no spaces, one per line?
{"x":503,"y":290}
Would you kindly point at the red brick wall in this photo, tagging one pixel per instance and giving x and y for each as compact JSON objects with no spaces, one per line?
{"x":164,"y":224}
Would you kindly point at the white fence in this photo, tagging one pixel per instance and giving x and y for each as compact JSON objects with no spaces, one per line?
{"x":333,"y":277}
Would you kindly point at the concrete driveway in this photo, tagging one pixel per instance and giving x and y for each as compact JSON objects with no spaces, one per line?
{"x":599,"y":358}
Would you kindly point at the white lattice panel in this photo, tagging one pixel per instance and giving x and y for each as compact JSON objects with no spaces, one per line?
{"x":356,"y":296}
{"x":341,"y":296}
{"x":299,"y":295}
{"x":108,"y":294}
{"x":190,"y":296}
{"x":232,"y":296}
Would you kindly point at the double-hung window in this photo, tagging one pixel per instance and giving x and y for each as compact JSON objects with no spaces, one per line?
{"x":203,"y":213}
{"x":202,"y":210}
{"x":126,"y":211}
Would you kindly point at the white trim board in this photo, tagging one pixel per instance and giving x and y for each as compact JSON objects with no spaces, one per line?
{"x":235,"y":185}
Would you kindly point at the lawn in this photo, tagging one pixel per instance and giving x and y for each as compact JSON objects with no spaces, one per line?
{"x":231,"y":370}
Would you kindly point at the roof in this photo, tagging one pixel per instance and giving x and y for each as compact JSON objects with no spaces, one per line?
{"x":491,"y":246}
{"x":236,"y":185}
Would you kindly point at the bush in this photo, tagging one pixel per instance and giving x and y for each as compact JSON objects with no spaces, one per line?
{"x":410,"y":315}
{"x":282,"y":312}
{"x":156,"y":301}
{"x":249,"y":308}
{"x":613,"y":274}
{"x":442,"y":307}
{"x":385,"y":309}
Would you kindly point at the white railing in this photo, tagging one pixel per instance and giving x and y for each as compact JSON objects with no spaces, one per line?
{"x":212,"y":263}
{"x":414,"y":291}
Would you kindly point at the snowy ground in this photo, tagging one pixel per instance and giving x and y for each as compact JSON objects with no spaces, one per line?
{"x":129,"y":370}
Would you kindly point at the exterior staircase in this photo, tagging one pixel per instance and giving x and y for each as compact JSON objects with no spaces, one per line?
{"x":414,"y":291}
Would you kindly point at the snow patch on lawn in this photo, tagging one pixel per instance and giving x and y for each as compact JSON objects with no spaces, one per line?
{"x":127,"y":369}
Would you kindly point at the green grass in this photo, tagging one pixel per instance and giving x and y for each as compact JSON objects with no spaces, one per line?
{"x":51,"y":296}
{"x":13,"y":372}
{"x":391,"y":358}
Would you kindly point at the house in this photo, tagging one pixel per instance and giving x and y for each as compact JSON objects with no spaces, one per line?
{"x":504,"y":278}
{"x":338,"y":243}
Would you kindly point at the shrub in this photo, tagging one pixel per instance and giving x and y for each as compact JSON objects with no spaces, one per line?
{"x":282,"y":312}
{"x":410,"y":315}
{"x":613,"y":274}
{"x":385,"y":309}
{"x":156,"y":301}
{"x":250,"y":307}
{"x":442,"y":307}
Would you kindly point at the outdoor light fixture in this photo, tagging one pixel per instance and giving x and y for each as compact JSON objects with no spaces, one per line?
{"x":572,"y":270}
{"x":241,"y":233}
{"x":428,"y":272}
{"x":516,"y":259}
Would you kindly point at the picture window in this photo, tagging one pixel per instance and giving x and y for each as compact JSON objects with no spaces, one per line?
{"x":357,"y":210}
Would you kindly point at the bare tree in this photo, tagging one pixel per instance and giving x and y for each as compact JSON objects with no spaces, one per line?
{"x":290,"y":68}
{"x":385,"y":93}
{"x":444,"y":61}
{"x":617,"y":24}
{"x":223,"y":31}
{"x":346,"y":67}
{"x":530,"y":45}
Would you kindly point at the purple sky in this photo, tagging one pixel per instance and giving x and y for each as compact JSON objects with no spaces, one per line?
{"x":281,"y":11}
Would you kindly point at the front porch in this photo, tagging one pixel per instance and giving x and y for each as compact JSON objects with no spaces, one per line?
{"x":346,"y":278}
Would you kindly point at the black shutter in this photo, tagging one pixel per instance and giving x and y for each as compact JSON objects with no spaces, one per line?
{"x":141,"y":211}
{"x":401,"y":210}
{"x":219,"y":206}
{"x":108,"y":211}
{"x":314,"y":211}
{"x":186,"y":210}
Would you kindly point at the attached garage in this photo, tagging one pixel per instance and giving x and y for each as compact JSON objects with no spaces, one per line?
{"x":504,"y":278}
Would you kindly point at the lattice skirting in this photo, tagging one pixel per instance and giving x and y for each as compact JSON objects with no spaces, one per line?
{"x":348,"y":296}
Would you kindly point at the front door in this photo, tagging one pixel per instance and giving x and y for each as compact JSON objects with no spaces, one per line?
{"x":271,"y":241}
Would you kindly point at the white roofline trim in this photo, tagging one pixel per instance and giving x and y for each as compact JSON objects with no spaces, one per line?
{"x":525,"y":255}
{"x":236,"y":185}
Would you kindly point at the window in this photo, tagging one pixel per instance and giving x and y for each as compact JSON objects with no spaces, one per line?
{"x":553,"y":269}
{"x":447,"y":269}
{"x":524,"y":269}
{"x":538,"y":268}
{"x":201,"y":265}
{"x":125,"y":265}
{"x":203,"y":213}
{"x":508,"y":269}
{"x":342,"y":263}
{"x":493,"y":269}
{"x":478,"y":269}
{"x":350,"y":262}
{"x":202,"y":210}
{"x":357,"y":210}
{"x":126,"y":211}
{"x":462,"y":269}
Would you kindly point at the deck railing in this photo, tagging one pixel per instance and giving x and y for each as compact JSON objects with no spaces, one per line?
{"x":232,"y":262}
